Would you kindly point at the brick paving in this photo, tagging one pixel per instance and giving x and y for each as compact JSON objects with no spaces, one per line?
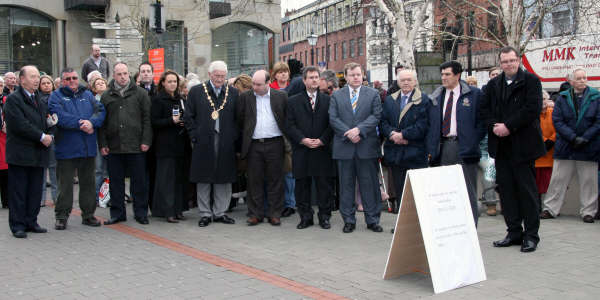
{"x":183,"y":261}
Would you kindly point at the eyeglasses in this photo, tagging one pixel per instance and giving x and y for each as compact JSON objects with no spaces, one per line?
{"x":510,"y":61}
{"x":71,"y":78}
{"x":330,"y":87}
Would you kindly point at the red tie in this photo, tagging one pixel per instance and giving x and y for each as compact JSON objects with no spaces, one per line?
{"x":312,"y":102}
{"x":448,"y":115}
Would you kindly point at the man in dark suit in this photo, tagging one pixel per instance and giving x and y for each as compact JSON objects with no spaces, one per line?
{"x":26,"y":153}
{"x":261,"y":115}
{"x":310,"y":135}
{"x":511,"y":107}
{"x":354,"y":113}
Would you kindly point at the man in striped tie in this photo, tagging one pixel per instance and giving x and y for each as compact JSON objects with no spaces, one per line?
{"x":354,"y":113}
{"x":454,"y":129}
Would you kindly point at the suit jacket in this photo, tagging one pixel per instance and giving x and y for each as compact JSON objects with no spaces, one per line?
{"x":246,"y":115}
{"x":366,"y":118}
{"x":518,"y":107}
{"x":25,"y":123}
{"x":303,"y":122}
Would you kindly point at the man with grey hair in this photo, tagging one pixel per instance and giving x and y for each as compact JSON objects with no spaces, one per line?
{"x":10,"y":83}
{"x":211,"y":123}
{"x":404,"y":125}
{"x":576,"y":118}
{"x":95,"y":62}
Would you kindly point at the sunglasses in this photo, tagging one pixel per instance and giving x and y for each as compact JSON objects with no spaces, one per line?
{"x":70,"y":78}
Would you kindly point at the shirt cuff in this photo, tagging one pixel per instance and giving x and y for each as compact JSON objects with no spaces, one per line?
{"x":43,"y":136}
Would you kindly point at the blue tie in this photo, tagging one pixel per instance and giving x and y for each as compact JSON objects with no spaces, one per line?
{"x":403,"y":101}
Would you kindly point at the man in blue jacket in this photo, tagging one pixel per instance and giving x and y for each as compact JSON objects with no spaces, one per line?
{"x":454,"y":129}
{"x":79,"y":115}
{"x":576,"y":117}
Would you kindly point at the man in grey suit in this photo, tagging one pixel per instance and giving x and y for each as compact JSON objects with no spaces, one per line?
{"x":354,"y":113}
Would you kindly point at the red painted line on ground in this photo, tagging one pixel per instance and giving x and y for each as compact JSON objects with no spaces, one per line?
{"x":276,"y":280}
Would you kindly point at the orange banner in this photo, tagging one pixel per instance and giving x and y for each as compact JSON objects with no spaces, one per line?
{"x":157,"y":60}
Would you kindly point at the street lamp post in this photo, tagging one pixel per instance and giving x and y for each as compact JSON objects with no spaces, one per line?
{"x":312,"y":41}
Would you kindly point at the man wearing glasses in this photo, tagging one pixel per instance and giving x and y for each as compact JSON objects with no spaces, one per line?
{"x":510,"y":109}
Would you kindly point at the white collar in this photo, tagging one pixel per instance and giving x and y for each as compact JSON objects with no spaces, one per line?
{"x":268,"y":94}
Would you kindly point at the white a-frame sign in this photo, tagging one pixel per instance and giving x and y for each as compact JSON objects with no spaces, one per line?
{"x":435,"y":230}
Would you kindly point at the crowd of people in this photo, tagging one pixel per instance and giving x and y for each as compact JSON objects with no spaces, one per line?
{"x":269,"y":138}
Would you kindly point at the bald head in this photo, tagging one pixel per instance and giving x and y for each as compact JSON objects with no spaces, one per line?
{"x":260,"y":82}
{"x":30,"y":78}
{"x":95,"y":51}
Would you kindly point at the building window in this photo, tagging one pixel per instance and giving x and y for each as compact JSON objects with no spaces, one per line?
{"x":348,"y":15}
{"x":323,"y":53}
{"x":344,"y":50}
{"x":361,"y":46}
{"x":243,"y":47}
{"x":335,"y":51}
{"x":26,"y":40}
{"x":317,"y":54}
{"x":340,"y":17}
{"x":306,"y":57}
{"x":561,"y":23}
{"x":328,"y":53}
{"x":351,"y":48}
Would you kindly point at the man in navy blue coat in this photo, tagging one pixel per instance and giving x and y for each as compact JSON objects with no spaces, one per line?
{"x":454,"y":129}
{"x":404,"y":125}
{"x":79,"y":116}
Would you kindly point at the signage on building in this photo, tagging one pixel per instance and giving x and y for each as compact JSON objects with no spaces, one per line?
{"x":553,"y":62}
{"x":114,"y":42}
{"x":157,"y":60}
{"x":130,"y":54}
{"x":105,"y":25}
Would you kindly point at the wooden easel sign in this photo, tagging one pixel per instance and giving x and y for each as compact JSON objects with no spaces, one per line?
{"x":435,"y":231}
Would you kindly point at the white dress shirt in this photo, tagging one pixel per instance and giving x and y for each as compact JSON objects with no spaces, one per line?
{"x":266,"y":126}
{"x":456,"y":91}
{"x":357,"y":91}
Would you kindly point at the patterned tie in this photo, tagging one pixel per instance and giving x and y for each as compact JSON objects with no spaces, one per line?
{"x":312,"y":102}
{"x":403,"y":101}
{"x":448,"y":115}
{"x":354,"y":100}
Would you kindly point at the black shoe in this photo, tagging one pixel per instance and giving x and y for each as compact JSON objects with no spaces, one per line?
{"x":93,"y":222}
{"x":528,"y":246}
{"x":20,"y":234}
{"x":142,"y":220}
{"x":325,"y":224}
{"x":60,"y":225}
{"x":349,"y":227}
{"x":224,"y":219}
{"x":204,"y":221}
{"x":588,"y":219}
{"x":113,"y":221}
{"x":180,"y":217}
{"x":305,"y":224}
{"x":507,"y":242}
{"x":37,"y":229}
{"x":375,"y":227}
{"x":288,"y":211}
{"x":546,"y":215}
{"x":172,"y":220}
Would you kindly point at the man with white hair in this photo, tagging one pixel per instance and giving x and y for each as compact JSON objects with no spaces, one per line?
{"x":404,"y":124}
{"x":10,"y":83}
{"x":576,"y":117}
{"x":211,"y":123}
{"x":95,"y":62}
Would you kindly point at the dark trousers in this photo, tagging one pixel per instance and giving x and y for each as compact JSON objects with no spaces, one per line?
{"x":117,"y":164}
{"x":449,"y":156}
{"x":519,"y":198}
{"x":25,"y":192}
{"x":365,"y":170}
{"x":169,"y":193}
{"x":4,"y":187}
{"x":302,"y":192}
{"x":399,"y":177}
{"x":265,"y":165}
{"x":65,"y":170}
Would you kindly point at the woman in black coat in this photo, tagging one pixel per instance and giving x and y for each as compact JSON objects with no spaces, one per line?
{"x":169,"y":143}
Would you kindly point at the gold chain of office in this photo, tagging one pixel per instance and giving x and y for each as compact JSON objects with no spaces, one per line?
{"x":215,"y":114}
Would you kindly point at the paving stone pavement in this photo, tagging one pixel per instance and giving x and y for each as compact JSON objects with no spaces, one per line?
{"x":104,"y":263}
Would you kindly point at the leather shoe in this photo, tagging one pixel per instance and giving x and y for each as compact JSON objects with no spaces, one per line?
{"x":288,"y":211}
{"x":546,"y":215}
{"x":172,"y":220}
{"x":275,"y":221}
{"x":375,"y":227}
{"x":325,"y":224}
{"x":204,"y":221}
{"x":305,"y":224}
{"x":252,"y":221}
{"x":93,"y":222}
{"x":60,"y":225}
{"x":507,"y":242}
{"x":224,"y":219}
{"x":38,"y":229}
{"x":588,"y":219}
{"x":20,"y":234}
{"x":113,"y":221}
{"x":142,"y":220}
{"x":349,"y":227}
{"x":528,"y":246}
{"x":180,"y":217}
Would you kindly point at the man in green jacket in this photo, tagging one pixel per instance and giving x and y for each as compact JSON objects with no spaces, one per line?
{"x":125,"y":137}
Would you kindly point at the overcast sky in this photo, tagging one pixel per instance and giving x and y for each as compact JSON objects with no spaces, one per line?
{"x":291,"y":4}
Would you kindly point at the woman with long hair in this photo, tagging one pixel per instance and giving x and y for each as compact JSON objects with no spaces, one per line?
{"x":170,"y":140}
